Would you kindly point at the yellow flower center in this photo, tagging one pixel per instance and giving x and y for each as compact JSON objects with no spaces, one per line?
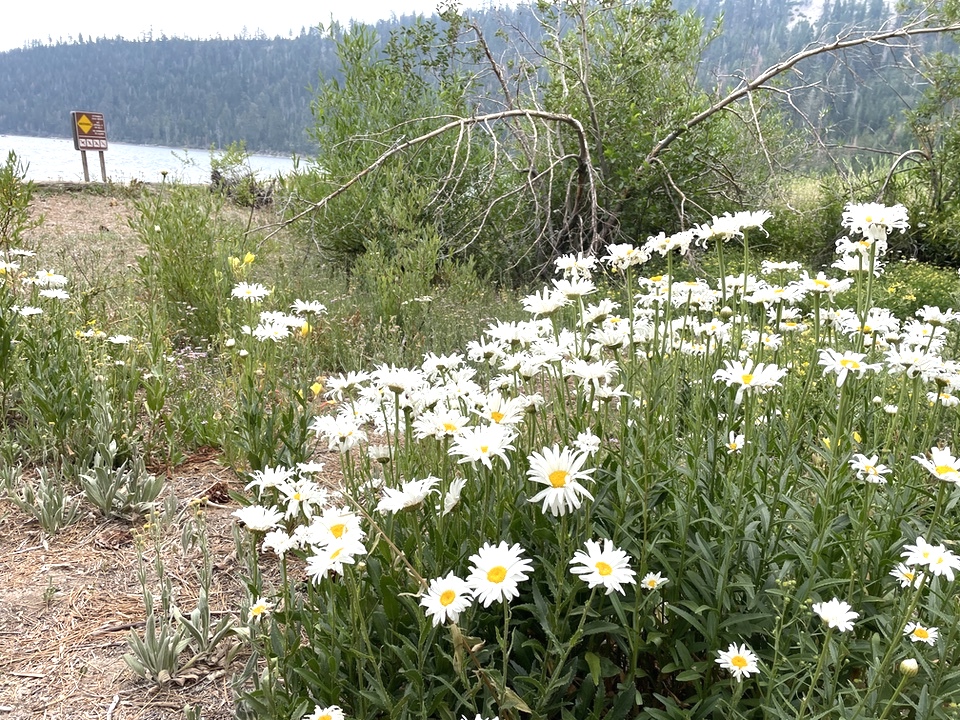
{"x":739,"y":661}
{"x":325,"y":716}
{"x":257,"y":610}
{"x":336,"y":553}
{"x":484,"y":448}
{"x":497,"y":416}
{"x":449,"y":427}
{"x":909,"y":576}
{"x":869,"y":469}
{"x":868,"y":218}
{"x":651,"y":583}
{"x":558,"y":478}
{"x":921,"y":633}
{"x":338,"y":530}
{"x":603,"y":568}
{"x":747,"y":378}
{"x":849,"y":364}
{"x":497,"y":574}
{"x":447,"y":597}
{"x":821,"y":283}
{"x":944,"y":469}
{"x":296,"y":496}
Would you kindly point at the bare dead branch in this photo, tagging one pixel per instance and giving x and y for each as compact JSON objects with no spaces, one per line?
{"x":585,"y":171}
{"x":758,"y":83}
{"x":893,"y":169}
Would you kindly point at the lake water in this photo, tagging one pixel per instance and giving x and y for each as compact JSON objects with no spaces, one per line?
{"x":55,"y":159}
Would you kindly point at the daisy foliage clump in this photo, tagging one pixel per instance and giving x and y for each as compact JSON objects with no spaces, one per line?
{"x":572,"y":515}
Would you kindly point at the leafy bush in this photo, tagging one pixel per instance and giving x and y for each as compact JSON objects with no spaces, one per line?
{"x":702,"y":503}
{"x":186,"y":268}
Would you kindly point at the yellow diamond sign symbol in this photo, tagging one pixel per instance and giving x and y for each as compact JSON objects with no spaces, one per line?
{"x":85,"y":124}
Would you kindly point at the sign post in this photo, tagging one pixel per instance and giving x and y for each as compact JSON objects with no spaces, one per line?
{"x":89,"y":133}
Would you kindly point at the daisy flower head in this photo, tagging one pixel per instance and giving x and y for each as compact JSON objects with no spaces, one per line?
{"x":823,"y":284}
{"x":836,"y":614}
{"x":576,"y":265}
{"x":906,"y":575}
{"x":271,"y":331}
{"x":332,"y":526}
{"x":326,"y":713}
{"x":483,"y":443}
{"x":258,"y":518}
{"x":936,"y":558}
{"x":607,"y":566}
{"x":260,"y":609}
{"x":560,"y":471}
{"x":280,"y":542}
{"x":49,"y":278}
{"x":497,"y":571}
{"x":918,"y":633}
{"x":410,"y":494}
{"x":845,"y":363}
{"x":332,"y":558}
{"x":269,"y":478}
{"x":451,"y":498}
{"x":302,"y":307}
{"x":302,"y":496}
{"x":6,"y":267}
{"x":587,"y":442}
{"x":942,"y":464}
{"x":735,"y":442}
{"x":869,"y":469}
{"x":251,"y":292}
{"x":749,"y":377}
{"x":54,"y":294}
{"x":575,"y":287}
{"x":652,"y":581}
{"x":873,"y":220}
{"x":545,"y":302}
{"x":624,"y":255}
{"x":740,"y":660}
{"x":446,"y":598}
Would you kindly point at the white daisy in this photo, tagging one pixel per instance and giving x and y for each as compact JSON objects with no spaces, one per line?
{"x":497,"y":571}
{"x":739,"y":660}
{"x":446,"y":598}
{"x":607,"y":566}
{"x":560,"y":471}
{"x":836,"y":613}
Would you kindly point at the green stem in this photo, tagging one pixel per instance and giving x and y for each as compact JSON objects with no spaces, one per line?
{"x":816,"y":674}
{"x":893,"y":698}
{"x":894,"y":644}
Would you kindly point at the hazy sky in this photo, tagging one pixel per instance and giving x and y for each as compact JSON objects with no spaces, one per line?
{"x":25,"y":22}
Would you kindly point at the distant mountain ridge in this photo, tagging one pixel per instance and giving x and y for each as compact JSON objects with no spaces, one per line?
{"x":197,"y":93}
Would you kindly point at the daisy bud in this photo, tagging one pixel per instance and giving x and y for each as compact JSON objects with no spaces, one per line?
{"x":726,"y":313}
{"x":909,"y":667}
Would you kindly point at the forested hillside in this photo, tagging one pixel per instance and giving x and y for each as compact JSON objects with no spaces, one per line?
{"x":195,"y":93}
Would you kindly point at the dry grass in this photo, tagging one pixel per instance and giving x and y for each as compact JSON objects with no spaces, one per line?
{"x":67,"y":603}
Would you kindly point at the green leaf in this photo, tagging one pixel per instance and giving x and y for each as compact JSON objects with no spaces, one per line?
{"x":593,"y":662}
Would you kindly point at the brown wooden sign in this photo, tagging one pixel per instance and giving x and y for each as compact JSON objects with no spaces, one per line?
{"x":89,"y":130}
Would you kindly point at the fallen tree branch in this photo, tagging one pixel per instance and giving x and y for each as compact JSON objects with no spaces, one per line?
{"x":584,"y":168}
